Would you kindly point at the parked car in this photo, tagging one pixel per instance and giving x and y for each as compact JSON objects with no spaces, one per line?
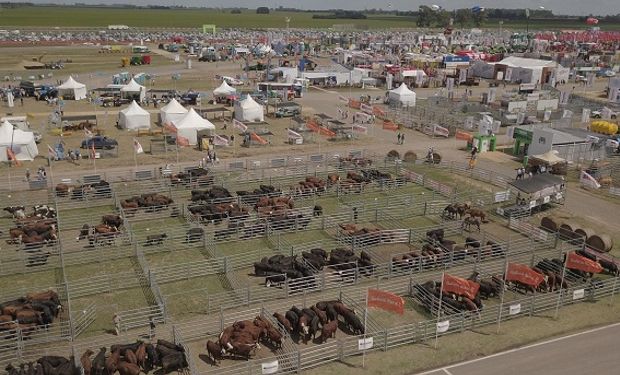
{"x":599,"y":114}
{"x":288,"y":112}
{"x":100,"y":142}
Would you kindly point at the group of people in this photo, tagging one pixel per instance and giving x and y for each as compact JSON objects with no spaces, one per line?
{"x":210,"y":159}
{"x":41,"y":174}
{"x":522,"y":173}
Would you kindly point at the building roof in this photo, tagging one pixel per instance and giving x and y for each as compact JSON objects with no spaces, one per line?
{"x":537,"y":183}
{"x":522,"y":62}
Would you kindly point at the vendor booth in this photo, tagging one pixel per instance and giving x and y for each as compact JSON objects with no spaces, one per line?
{"x":189,"y":126}
{"x":133,"y":90}
{"x":402,"y":96}
{"x":172,"y":112}
{"x":72,"y":90}
{"x":134,"y":117}
{"x":21,"y":143}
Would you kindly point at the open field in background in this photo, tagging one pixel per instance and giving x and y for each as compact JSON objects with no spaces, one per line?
{"x":188,"y":18}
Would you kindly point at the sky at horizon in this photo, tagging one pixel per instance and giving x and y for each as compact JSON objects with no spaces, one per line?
{"x":564,"y":7}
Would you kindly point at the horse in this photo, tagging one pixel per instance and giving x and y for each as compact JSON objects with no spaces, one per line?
{"x":469,"y":221}
{"x":476,"y":212}
{"x":449,"y":212}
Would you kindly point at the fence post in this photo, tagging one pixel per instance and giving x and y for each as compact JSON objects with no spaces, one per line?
{"x":221,"y":318}
{"x":613,"y":290}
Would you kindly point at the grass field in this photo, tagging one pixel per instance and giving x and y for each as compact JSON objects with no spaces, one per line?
{"x":193,"y":18}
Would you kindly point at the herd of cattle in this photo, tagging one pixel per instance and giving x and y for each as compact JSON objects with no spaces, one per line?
{"x":34,"y":311}
{"x":243,"y":338}
{"x":103,"y":233}
{"x":33,"y":231}
{"x":99,"y":189}
{"x":195,"y":176}
{"x":130,"y":359}
{"x":151,"y":201}
{"x":279,"y":268}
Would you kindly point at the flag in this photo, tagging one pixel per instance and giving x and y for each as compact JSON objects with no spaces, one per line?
{"x":523,"y":274}
{"x":137,"y":147}
{"x":51,"y":152}
{"x":441,"y":131}
{"x":386,"y":301}
{"x":168,"y":127}
{"x":239,"y":125}
{"x":589,"y":181}
{"x":258,"y":138}
{"x":575,"y":261}
{"x":220,"y":141}
{"x":182,"y":141}
{"x":92,"y":150}
{"x":460,"y":286}
{"x":293,"y":134}
{"x":88,"y":133}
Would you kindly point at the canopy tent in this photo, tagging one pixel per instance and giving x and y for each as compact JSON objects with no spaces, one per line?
{"x":189,"y":125}
{"x":249,"y":110}
{"x":224,"y":90}
{"x":550,"y":158}
{"x":71,"y":89}
{"x":402,"y":95}
{"x":133,"y":90}
{"x":172,"y":112}
{"x":20,"y":142}
{"x":134,"y":117}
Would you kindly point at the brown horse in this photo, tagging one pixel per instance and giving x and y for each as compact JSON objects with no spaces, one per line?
{"x":87,"y":364}
{"x":476,"y":212}
{"x":471,"y":221}
{"x":112,"y":362}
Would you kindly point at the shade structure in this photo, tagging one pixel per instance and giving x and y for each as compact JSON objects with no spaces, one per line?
{"x":172,"y":112}
{"x":133,"y":90}
{"x":224,"y":90}
{"x":71,"y":89}
{"x":20,"y":142}
{"x":134,"y":117}
{"x":402,"y":95}
{"x":189,"y":125}
{"x":249,"y":110}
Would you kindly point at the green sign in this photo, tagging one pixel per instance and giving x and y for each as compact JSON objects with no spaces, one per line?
{"x":523,"y":135}
{"x":210,"y":28}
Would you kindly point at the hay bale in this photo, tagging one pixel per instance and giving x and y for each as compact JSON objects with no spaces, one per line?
{"x":585,"y":232}
{"x":600,"y":242}
{"x":567,"y":230}
{"x":410,"y":157}
{"x":393,"y":154}
{"x":550,"y":223}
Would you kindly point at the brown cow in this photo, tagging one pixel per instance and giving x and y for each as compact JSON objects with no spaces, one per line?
{"x":214,"y":351}
{"x":321,"y":314}
{"x":112,"y":362}
{"x":329,"y":330}
{"x":285,"y":322}
{"x":130,"y":357}
{"x":87,"y":364}
{"x":126,"y":368}
{"x":141,"y":355}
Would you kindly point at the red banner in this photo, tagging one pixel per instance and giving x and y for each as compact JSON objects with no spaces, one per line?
{"x":389,"y":125}
{"x":354,"y":103}
{"x":464,"y":136}
{"x":575,"y":261}
{"x":523,"y":274}
{"x":460,"y":286}
{"x":386,"y":301}
{"x":378,"y":111}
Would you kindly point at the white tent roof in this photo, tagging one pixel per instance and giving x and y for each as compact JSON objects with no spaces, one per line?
{"x":71,"y":84}
{"x":173,"y":107}
{"x":134,"y":109}
{"x":550,"y":157}
{"x":192,"y":120}
{"x":402,"y":90}
{"x":249,"y":110}
{"x":523,"y":62}
{"x":132,"y":86}
{"x":224,"y":89}
{"x":23,"y":142}
{"x":249,"y":103}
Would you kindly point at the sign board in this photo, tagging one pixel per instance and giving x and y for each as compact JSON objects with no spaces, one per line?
{"x":527,"y":87}
{"x":546,"y":199}
{"x":386,"y":301}
{"x":585,"y":116}
{"x":514,"y":309}
{"x":365,"y":344}
{"x":270,"y":367}
{"x":502,"y":196}
{"x":443,"y":326}
{"x":441,"y":131}
{"x":578,"y":294}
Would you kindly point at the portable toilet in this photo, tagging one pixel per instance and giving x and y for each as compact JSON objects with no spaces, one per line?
{"x":146,"y":60}
{"x":125,"y":61}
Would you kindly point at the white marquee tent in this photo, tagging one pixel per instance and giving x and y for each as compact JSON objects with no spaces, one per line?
{"x":134,"y":117}
{"x":72,"y":89}
{"x":224,"y":90}
{"x":23,"y":145}
{"x":249,"y":110}
{"x":133,"y":89}
{"x":402,"y":95}
{"x":189,"y":125}
{"x":172,"y":112}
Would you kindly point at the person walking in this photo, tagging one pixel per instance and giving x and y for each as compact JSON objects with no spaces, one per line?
{"x":151,"y":329}
{"x":398,"y":138}
{"x":117,"y":324}
{"x":402,"y":139}
{"x":28,"y":175}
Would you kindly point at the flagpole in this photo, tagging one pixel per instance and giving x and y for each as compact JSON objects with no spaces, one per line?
{"x":557,"y":307}
{"x":443,"y":274}
{"x":365,"y":322}
{"x":501,"y":300}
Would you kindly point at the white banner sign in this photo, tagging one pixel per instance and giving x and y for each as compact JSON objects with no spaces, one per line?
{"x":365,"y":344}
{"x":360,"y":129}
{"x":585,"y":116}
{"x":564,"y":97}
{"x":270,"y":367}
{"x":443,"y":326}
{"x":606,"y":113}
{"x":514,"y":309}
{"x":579,"y":293}
{"x":441,"y":131}
{"x":366,"y":108}
{"x":342,"y":99}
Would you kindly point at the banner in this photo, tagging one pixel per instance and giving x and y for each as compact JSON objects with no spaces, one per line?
{"x":343,"y":100}
{"x":469,"y":123}
{"x":579,"y":294}
{"x":464,"y":136}
{"x":168,"y":127}
{"x":460,"y":286}
{"x":359,"y":129}
{"x":514,"y":309}
{"x":564,"y":97}
{"x":361,"y":116}
{"x":366,"y":108}
{"x":523,"y":274}
{"x":9,"y":99}
{"x":182,"y":141}
{"x":590,"y":79}
{"x":589,"y":181}
{"x":585,"y":116}
{"x":218,"y":140}
{"x":270,"y":367}
{"x":239,"y":125}
{"x":389,"y":125}
{"x":377,"y":111}
{"x":508,"y":76}
{"x":258,"y":138}
{"x":137,"y":147}
{"x":575,"y":261}
{"x":547,"y":115}
{"x":606,"y":113}
{"x":492,"y":93}
{"x":386,"y":301}
{"x":51,"y":152}
{"x":293,"y":134}
{"x":365,"y":344}
{"x":443,"y":326}
{"x":441,"y":131}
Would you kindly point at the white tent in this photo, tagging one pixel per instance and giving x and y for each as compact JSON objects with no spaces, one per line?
{"x":134,"y":117}
{"x":248,"y":110}
{"x":189,"y":125}
{"x":133,"y":89}
{"x":402,"y":95}
{"x":172,"y":112}
{"x":23,"y":145}
{"x":72,"y":89}
{"x":224,"y":90}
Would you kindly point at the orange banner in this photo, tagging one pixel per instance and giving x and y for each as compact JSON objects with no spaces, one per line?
{"x":386,"y":301}
{"x":523,"y":274}
{"x":460,"y":286}
{"x":319,"y":129}
{"x":354,"y":103}
{"x":464,"y":136}
{"x":575,"y":261}
{"x":378,"y":111}
{"x":389,"y":125}
{"x":258,"y":138}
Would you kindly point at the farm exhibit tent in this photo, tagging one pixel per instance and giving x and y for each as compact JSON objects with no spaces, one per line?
{"x":133,"y":90}
{"x":134,"y":117}
{"x":172,"y":112}
{"x":249,"y":110}
{"x":20,"y":142}
{"x":402,"y":95}
{"x":189,"y":126}
{"x":71,"y":89}
{"x":224,"y":90}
